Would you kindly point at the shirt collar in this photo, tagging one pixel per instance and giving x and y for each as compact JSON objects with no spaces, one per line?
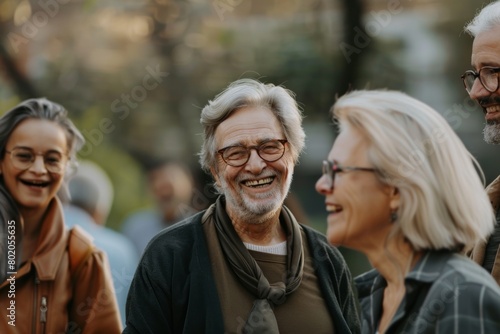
{"x":429,"y":267}
{"x":371,"y":286}
{"x":493,"y":191}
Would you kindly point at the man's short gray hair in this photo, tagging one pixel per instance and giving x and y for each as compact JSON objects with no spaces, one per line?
{"x":251,"y":93}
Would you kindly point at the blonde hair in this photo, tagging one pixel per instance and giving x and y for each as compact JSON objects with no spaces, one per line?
{"x":443,"y":201}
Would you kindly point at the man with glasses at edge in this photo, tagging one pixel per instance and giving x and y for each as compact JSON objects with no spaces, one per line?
{"x":244,"y":265}
{"x":482,"y":84}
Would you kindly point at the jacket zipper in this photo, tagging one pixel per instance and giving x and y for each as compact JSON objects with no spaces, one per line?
{"x":35,"y":302}
{"x":43,"y":308}
{"x":43,"y":313}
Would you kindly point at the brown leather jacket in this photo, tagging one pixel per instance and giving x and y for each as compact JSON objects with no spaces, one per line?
{"x":43,"y":297}
{"x":479,"y":250}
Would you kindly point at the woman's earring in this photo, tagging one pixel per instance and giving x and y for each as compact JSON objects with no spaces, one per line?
{"x":394,"y":216}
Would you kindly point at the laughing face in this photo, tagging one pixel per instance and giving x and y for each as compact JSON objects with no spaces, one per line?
{"x":33,"y":188}
{"x":486,"y":52}
{"x":358,"y":204}
{"x":258,"y":188}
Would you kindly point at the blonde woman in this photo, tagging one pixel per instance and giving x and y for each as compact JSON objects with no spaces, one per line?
{"x":401,"y":188}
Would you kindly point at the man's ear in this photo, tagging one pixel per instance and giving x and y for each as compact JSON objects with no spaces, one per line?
{"x":214,"y":175}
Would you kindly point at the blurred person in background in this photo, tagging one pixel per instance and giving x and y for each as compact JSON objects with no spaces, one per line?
{"x":401,"y":187}
{"x":482,"y":84}
{"x":91,"y":198}
{"x":244,"y":265}
{"x":171,"y":184}
{"x":63,"y":283}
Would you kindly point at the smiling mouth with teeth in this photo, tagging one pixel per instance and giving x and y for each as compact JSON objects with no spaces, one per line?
{"x":259,"y":183}
{"x":493,"y":109}
{"x":40,"y":184}
{"x":333,"y":208}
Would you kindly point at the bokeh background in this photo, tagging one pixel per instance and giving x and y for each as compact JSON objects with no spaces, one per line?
{"x":135,"y":74}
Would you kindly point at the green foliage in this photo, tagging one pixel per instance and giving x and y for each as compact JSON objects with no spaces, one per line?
{"x":126,"y":175}
{"x":87,"y":55}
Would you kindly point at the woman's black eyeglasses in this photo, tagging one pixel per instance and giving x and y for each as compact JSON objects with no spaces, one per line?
{"x":330,"y":169}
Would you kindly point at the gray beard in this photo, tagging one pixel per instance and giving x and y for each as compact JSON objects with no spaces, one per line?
{"x":491,"y":133}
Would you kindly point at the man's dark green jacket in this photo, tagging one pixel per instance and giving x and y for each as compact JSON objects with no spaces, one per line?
{"x":173,"y":290}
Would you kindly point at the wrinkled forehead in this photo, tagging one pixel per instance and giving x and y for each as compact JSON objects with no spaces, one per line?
{"x":40,"y":135}
{"x":248,"y":126}
{"x":486,"y":49}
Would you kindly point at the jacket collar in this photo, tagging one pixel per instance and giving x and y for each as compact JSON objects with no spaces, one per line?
{"x":427,"y":270}
{"x":429,"y":267}
{"x":51,"y":244}
{"x":371,"y":286}
{"x":493,"y":191}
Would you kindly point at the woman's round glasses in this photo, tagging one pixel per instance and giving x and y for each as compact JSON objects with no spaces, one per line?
{"x":238,"y":155}
{"x":23,"y":158}
{"x":488,"y":76}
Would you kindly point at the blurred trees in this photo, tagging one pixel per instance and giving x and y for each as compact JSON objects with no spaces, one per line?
{"x":136,"y":73}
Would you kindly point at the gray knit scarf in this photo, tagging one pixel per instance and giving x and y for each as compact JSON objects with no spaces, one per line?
{"x":261,"y":318}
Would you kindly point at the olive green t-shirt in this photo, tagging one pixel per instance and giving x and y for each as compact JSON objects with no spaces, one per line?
{"x":304,"y":311}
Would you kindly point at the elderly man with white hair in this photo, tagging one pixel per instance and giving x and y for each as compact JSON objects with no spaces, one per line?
{"x":482,"y":84}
